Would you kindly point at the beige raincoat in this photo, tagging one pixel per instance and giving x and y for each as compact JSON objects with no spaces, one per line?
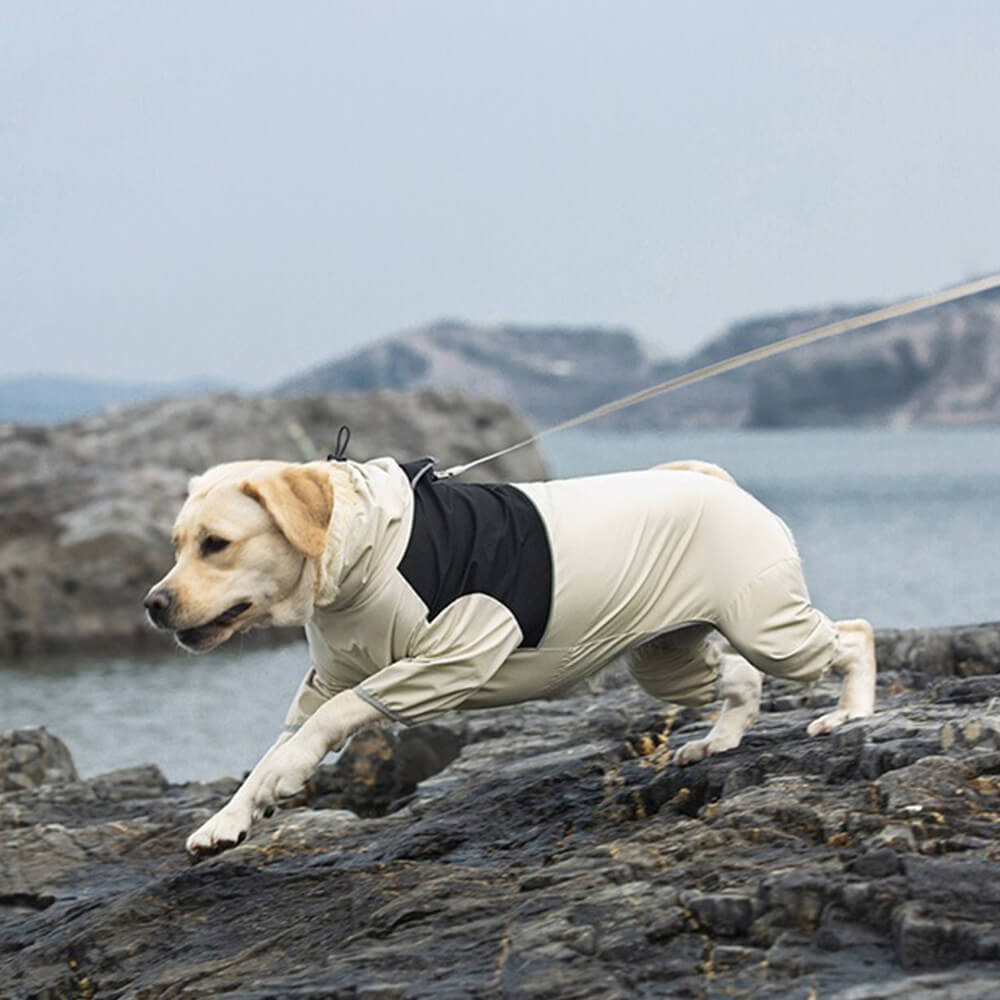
{"x":633,"y":555}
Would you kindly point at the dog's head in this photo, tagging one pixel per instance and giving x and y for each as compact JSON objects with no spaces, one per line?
{"x":247,"y":542}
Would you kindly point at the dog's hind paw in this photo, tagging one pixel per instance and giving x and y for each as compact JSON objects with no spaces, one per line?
{"x":696,"y":750}
{"x":828,"y":723}
{"x":227,"y":828}
{"x":739,"y":687}
{"x":856,"y":662}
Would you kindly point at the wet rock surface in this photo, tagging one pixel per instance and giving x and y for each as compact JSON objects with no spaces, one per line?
{"x":559,"y":854}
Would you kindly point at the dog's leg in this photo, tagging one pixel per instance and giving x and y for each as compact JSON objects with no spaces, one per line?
{"x":856,"y":661}
{"x":283,"y":771}
{"x":739,"y":687}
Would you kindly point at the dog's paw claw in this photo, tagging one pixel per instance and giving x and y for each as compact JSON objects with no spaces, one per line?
{"x":223,"y":831}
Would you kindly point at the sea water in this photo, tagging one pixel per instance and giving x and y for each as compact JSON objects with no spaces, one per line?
{"x":899,"y":527}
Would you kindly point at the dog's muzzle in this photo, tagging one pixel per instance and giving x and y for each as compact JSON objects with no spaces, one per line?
{"x":207,"y":635}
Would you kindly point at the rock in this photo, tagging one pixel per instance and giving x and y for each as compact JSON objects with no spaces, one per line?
{"x":723,"y":914}
{"x":86,"y":507}
{"x":877,"y":862}
{"x":919,"y":655}
{"x":381,"y":769}
{"x":930,"y":986}
{"x":930,"y":784}
{"x":551,"y":373}
{"x":559,"y":854}
{"x":923,"y":940}
{"x":30,"y":757}
{"x":970,"y":732}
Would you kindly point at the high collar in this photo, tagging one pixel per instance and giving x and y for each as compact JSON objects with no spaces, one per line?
{"x":368,"y":533}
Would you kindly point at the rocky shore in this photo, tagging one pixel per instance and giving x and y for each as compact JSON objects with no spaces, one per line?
{"x":548,"y":850}
{"x":86,"y":507}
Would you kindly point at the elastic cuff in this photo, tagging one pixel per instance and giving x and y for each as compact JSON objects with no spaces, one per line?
{"x":384,"y":709}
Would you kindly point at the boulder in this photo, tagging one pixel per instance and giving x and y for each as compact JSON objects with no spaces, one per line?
{"x":31,"y":757}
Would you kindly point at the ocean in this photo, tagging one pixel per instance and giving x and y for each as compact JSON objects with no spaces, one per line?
{"x":900,"y":527}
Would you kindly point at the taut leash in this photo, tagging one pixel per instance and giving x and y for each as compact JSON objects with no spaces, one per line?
{"x":906,"y":308}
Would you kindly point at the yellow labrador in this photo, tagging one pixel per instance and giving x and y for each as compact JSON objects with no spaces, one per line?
{"x":421,"y":595}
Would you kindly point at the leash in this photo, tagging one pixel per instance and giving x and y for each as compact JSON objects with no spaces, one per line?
{"x":906,"y":308}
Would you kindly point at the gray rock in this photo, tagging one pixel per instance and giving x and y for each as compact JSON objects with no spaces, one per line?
{"x":30,"y":757}
{"x":922,"y":655}
{"x":971,"y":732}
{"x":930,"y":986}
{"x":86,"y":508}
{"x":722,"y":914}
{"x":560,"y":854}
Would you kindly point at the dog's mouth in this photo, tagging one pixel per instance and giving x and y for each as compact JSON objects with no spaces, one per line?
{"x":209,"y":634}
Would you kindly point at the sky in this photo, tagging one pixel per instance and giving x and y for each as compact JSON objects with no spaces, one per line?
{"x":243,"y":190}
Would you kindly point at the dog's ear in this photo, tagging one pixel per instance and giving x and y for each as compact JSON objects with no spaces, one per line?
{"x":299,"y":498}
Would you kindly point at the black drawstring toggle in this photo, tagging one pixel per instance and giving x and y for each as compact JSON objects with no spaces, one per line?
{"x":339,"y":453}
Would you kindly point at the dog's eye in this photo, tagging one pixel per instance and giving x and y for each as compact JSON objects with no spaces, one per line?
{"x":213,"y":543}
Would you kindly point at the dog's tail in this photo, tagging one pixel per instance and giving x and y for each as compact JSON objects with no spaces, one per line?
{"x":693,"y":465}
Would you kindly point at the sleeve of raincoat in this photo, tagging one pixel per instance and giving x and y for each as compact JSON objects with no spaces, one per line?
{"x":449,"y":659}
{"x":313,"y":692}
{"x":324,"y":679}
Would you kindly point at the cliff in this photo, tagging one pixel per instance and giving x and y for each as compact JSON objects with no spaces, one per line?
{"x":86,"y":507}
{"x":939,"y":367}
{"x":560,"y":855}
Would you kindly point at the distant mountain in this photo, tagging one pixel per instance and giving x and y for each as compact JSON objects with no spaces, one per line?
{"x":50,"y":399}
{"x":938,"y":367}
{"x":544,"y":372}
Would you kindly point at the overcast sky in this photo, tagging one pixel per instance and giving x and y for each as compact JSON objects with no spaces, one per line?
{"x":245,"y":189}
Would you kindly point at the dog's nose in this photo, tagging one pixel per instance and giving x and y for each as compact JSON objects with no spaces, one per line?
{"x":157,"y":604}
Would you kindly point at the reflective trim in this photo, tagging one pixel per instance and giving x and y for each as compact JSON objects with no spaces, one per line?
{"x":384,"y":709}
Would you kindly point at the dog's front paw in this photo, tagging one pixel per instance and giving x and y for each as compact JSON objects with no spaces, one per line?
{"x":227,"y":828}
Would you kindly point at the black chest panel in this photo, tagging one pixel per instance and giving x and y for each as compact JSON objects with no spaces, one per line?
{"x":478,"y":539}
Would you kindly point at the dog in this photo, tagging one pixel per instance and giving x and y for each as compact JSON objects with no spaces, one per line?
{"x":421,"y":595}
